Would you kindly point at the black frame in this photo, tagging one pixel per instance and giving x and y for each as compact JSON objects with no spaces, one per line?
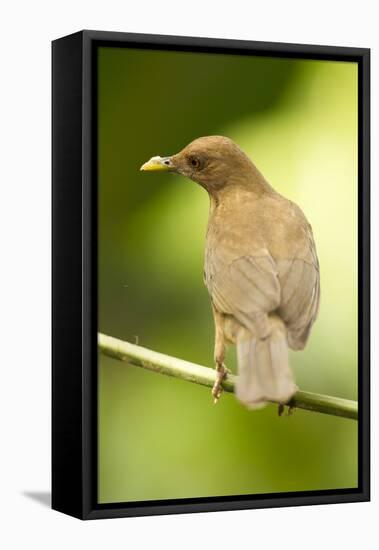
{"x":74,"y":270}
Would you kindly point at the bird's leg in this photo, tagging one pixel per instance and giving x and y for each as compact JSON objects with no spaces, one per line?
{"x":221,"y":373}
{"x":219,"y":356}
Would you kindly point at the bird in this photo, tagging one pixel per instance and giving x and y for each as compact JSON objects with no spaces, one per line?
{"x":260,"y":268}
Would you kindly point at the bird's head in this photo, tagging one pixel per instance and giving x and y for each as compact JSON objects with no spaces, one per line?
{"x":212,"y":161}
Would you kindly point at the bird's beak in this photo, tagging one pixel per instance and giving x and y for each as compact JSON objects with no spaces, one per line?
{"x":157,"y":164}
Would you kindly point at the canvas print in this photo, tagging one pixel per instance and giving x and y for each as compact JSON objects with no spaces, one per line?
{"x":227,"y":196}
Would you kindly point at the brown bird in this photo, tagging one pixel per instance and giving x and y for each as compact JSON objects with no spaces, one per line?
{"x":261,"y":268}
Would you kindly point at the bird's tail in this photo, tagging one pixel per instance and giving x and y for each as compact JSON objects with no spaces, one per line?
{"x":264,"y":373}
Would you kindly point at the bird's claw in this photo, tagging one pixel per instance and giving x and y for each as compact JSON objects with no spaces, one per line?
{"x":281,"y":409}
{"x":221,"y":373}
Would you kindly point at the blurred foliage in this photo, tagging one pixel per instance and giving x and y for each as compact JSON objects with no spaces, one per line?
{"x":162,"y":438}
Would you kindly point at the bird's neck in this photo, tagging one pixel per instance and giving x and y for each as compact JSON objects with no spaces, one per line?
{"x":236,"y":191}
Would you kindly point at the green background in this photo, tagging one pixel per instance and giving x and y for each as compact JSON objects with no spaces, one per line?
{"x":162,"y":438}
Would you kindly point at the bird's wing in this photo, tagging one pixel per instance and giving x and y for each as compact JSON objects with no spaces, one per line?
{"x":300,"y":291}
{"x":252,"y":286}
{"x":247,"y":288}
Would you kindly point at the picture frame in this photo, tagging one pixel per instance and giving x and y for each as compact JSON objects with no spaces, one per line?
{"x":74,"y":274}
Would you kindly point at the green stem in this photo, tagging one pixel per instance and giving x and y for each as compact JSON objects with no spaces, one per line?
{"x":178,"y":368}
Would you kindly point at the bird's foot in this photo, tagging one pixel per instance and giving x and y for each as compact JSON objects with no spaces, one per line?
{"x":221,"y":373}
{"x":281,"y":409}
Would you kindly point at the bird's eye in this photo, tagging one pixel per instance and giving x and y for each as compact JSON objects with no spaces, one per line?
{"x":195,"y":162}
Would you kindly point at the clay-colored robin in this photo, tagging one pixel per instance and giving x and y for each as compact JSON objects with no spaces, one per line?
{"x":261,"y":268}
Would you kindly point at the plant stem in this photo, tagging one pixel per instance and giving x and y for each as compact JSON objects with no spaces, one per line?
{"x":197,"y":374}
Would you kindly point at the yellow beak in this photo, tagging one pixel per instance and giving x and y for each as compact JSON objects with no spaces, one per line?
{"x":157,"y":163}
